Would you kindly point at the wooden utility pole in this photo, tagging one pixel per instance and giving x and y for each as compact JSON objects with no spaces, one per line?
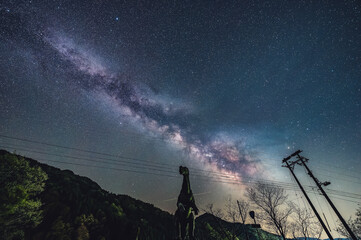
{"x":243,"y":220}
{"x":290,"y":166}
{"x":319,"y":184}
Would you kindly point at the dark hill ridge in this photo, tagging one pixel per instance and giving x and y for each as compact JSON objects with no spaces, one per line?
{"x":75,"y":207}
{"x":72,"y":203}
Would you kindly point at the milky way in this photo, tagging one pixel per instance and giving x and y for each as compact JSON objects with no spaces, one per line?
{"x":140,"y":106}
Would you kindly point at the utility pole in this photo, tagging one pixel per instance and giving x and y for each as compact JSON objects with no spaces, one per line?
{"x":290,"y":166}
{"x":243,"y":220}
{"x":319,"y":185}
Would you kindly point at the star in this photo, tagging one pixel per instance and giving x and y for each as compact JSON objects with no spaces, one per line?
{"x":222,"y":89}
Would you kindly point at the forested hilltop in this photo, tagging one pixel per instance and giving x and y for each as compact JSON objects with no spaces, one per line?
{"x":75,"y":207}
{"x":38,"y":201}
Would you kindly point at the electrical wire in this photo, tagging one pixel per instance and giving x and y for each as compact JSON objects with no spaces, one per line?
{"x":164,"y":140}
{"x":109,"y":155}
{"x":225,"y":177}
{"x":167,"y":175}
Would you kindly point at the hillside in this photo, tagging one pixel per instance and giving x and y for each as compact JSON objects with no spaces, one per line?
{"x":75,"y":207}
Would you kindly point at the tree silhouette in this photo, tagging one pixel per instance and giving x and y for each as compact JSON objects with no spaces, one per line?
{"x":355,"y":225}
{"x":305,"y":224}
{"x":272,"y":202}
{"x":20,"y":186}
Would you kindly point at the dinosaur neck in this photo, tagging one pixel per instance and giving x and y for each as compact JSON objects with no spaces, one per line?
{"x":186,"y":187}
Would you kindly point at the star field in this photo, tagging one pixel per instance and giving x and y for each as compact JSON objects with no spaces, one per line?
{"x":227,"y":87}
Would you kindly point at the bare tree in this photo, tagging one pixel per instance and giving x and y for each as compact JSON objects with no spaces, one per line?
{"x":215,"y":212}
{"x":304,"y":224}
{"x":272,"y":201}
{"x":354,"y":224}
{"x":231,"y":210}
{"x":317,"y":230}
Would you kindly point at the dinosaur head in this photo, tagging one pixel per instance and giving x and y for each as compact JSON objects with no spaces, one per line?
{"x":183,"y":170}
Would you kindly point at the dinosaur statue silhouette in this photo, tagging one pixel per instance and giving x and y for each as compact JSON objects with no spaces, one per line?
{"x":185,"y":206}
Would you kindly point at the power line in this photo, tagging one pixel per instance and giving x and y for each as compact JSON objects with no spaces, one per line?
{"x":158,"y":168}
{"x":330,"y":171}
{"x":173,"y":176}
{"x":161,"y":165}
{"x":225,"y":177}
{"x":341,"y":179}
{"x":106,"y":154}
{"x":163,"y":140}
{"x":116,"y":156}
{"x":142,"y":161}
{"x":98,"y":153}
{"x":345,"y":199}
{"x":277,"y":183}
{"x":283,"y":185}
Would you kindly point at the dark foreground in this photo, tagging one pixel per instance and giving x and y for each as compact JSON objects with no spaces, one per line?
{"x":43,"y":202}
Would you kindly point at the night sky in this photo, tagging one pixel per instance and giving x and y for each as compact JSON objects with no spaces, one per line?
{"x":227,"y":88}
